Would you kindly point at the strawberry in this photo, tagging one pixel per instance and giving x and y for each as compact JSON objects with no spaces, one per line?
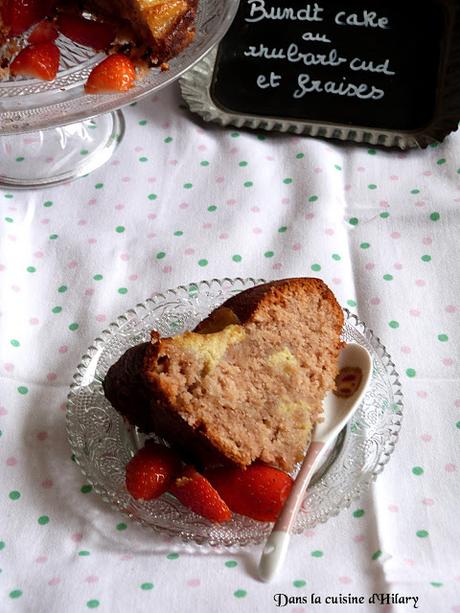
{"x":259,"y":491}
{"x":150,"y":472}
{"x":87,"y":32}
{"x":40,"y":61}
{"x":195,"y":492}
{"x":114,"y":74}
{"x":19,"y":15}
{"x":43,"y":32}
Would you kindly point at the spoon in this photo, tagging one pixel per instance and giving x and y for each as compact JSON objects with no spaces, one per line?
{"x":337,"y":412}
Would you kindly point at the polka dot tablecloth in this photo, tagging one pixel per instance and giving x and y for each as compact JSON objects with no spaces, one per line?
{"x":182,"y":201}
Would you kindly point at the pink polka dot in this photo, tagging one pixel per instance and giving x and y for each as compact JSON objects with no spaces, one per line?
{"x":100,"y":317}
{"x":405,"y":349}
{"x":49,"y":160}
{"x":76,"y":537}
{"x":450,"y":468}
{"x":223,"y":236}
{"x":193,"y":582}
{"x":119,"y":207}
{"x":82,"y":222}
{"x":231,"y":202}
{"x":398,"y":266}
{"x":72,"y":264}
{"x":422,"y":394}
{"x":38,"y":254}
{"x":89,"y":291}
{"x":419,"y":203}
{"x":409,"y":562}
{"x":12,"y":237}
{"x":41,"y":559}
{"x":345,"y":580}
{"x":329,"y":231}
{"x":11,"y":461}
{"x":63,"y":349}
{"x":92,"y":579}
{"x":3,"y":411}
{"x":309,"y":215}
{"x":255,"y":209}
{"x":395,"y":235}
{"x":206,"y":226}
{"x":393,"y":508}
{"x":92,"y":241}
{"x":183,"y":205}
{"x":457,"y":404}
{"x":309,"y":533}
{"x":394,"y":178}
{"x":15,"y":288}
{"x":414,"y":312}
{"x":370,"y":266}
{"x":173,"y":162}
{"x":151,"y":216}
{"x":269,"y":158}
{"x":296,"y":247}
{"x":92,"y":201}
{"x":257,"y":230}
{"x":427,"y":240}
{"x":54,"y":581}
{"x":167,"y":269}
{"x":456,"y":608}
{"x":384,"y":204}
{"x":45,"y":221}
{"x":317,"y":170}
{"x":42,"y":436}
{"x":126,"y":179}
{"x":428,"y":501}
{"x":189,"y":251}
{"x":285,"y":200}
{"x":51,"y":376}
{"x":450,"y":308}
{"x":167,"y":124}
{"x":151,"y":235}
{"x":277,"y":266}
{"x":220,"y":180}
{"x":336,"y":280}
{"x":133,"y":277}
{"x":202,"y":147}
{"x":427,"y":173}
{"x":420,"y":283}
{"x":360,"y":169}
{"x":348,"y":187}
{"x":375,"y":301}
{"x":8,"y":367}
{"x":2,"y":267}
{"x":124,"y":257}
{"x":448,"y":361}
{"x":47,"y":484}
{"x":115,"y":163}
{"x":359,"y":538}
{"x":126,"y":556}
{"x":151,"y":179}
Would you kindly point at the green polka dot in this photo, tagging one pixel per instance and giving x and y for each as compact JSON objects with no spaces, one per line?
{"x":83,"y":553}
{"x":142,"y":122}
{"x":122,"y":290}
{"x":172,"y":556}
{"x":203,"y":262}
{"x":99,"y":185}
{"x":443,"y":338}
{"x":248,"y":184}
{"x":2,"y":545}
{"x":9,"y":196}
{"x":422,"y":533}
{"x":43,"y":520}
{"x":73,"y":327}
{"x":20,"y":158}
{"x":299,"y":583}
{"x":351,"y":303}
{"x":15,"y":594}
{"x":204,"y":163}
{"x":120,"y":229}
{"x":98,"y":277}
{"x":436,"y":583}
{"x":152,"y":196}
{"x":337,"y":167}
{"x":53,"y":237}
{"x":236,"y":258}
{"x":365,"y":245}
{"x":84,"y":151}
{"x":388,"y":277}
{"x":121,"y":526}
{"x":410,"y":372}
{"x":372,"y":186}
{"x":56,"y":310}
{"x":92,"y":604}
{"x":300,"y":156}
{"x":143,"y":159}
{"x":376,"y":554}
{"x":282,"y":229}
{"x":287,"y":180}
{"x":9,"y":219}
{"x":15,"y":343}
{"x":31,"y":269}
{"x":86,"y":489}
{"x":48,"y":203}
{"x":146,"y":586}
{"x":22,"y":389}
{"x":160,"y":255}
{"x":240,"y":593}
{"x":188,"y":185}
{"x":178,"y":233}
{"x":358,"y":513}
{"x":435,"y":216}
{"x":243,"y":163}
{"x":316,"y":267}
{"x":231,"y":563}
{"x":269,"y":254}
{"x":441,"y":161}
{"x":385,"y":215}
{"x":212,"y":208}
{"x":426,"y":258}
{"x":168,"y":139}
{"x":417,"y":470}
{"x":434,"y":145}
{"x":393,"y":324}
{"x":415,"y":191}
{"x":261,"y":137}
{"x":371,"y":151}
{"x":234,"y":134}
{"x":62,"y":289}
{"x":353,"y":221}
{"x":313,"y":198}
{"x":14,"y":495}
{"x":458,"y":425}
{"x":336,"y":257}
{"x":317,"y":553}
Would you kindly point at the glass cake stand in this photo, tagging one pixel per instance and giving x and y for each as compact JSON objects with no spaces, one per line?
{"x":52,"y":132}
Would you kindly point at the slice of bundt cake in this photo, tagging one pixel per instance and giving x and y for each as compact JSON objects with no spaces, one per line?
{"x":246,"y":385}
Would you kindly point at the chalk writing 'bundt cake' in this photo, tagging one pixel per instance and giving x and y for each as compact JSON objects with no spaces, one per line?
{"x":246,"y":385}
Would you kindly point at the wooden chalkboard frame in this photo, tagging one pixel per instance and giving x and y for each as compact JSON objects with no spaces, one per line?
{"x":196,"y":91}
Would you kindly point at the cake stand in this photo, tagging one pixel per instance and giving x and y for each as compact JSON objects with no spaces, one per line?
{"x":52,"y":132}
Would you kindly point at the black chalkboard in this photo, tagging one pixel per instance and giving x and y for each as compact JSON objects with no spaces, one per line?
{"x":374,"y":63}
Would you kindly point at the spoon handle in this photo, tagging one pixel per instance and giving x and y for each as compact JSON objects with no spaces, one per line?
{"x":277,"y":543}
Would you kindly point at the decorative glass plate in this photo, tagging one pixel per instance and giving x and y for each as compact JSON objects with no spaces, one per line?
{"x":103,"y":444}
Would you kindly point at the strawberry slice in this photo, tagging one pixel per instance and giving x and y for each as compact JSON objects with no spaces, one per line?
{"x":259,"y":491}
{"x":196,"y":493}
{"x":19,"y":15}
{"x":87,"y":32}
{"x":114,"y":74}
{"x":150,"y":472}
{"x":39,"y":61}
{"x":43,"y":32}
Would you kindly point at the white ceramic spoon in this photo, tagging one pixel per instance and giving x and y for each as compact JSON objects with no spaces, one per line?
{"x":337,"y":412}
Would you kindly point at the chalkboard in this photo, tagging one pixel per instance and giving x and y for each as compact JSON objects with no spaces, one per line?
{"x":374,"y":64}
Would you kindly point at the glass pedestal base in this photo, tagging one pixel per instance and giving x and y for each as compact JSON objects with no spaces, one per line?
{"x":57,"y":155}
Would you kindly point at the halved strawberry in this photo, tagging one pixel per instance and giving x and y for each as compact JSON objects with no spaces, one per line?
{"x":39,"y":61}
{"x":19,"y":15}
{"x":195,"y":492}
{"x":150,"y":472}
{"x":114,"y":74}
{"x":259,"y":491}
{"x":87,"y":32}
{"x":43,"y":32}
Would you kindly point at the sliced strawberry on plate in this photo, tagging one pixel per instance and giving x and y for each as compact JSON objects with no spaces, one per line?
{"x":39,"y":61}
{"x":87,"y":32}
{"x":259,"y":491}
{"x":150,"y":472}
{"x":19,"y":15}
{"x":43,"y":32}
{"x":196,"y":493}
{"x":114,"y":74}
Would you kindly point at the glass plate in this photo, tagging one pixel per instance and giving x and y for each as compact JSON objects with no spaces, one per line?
{"x":103,"y":444}
{"x":28,"y":104}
